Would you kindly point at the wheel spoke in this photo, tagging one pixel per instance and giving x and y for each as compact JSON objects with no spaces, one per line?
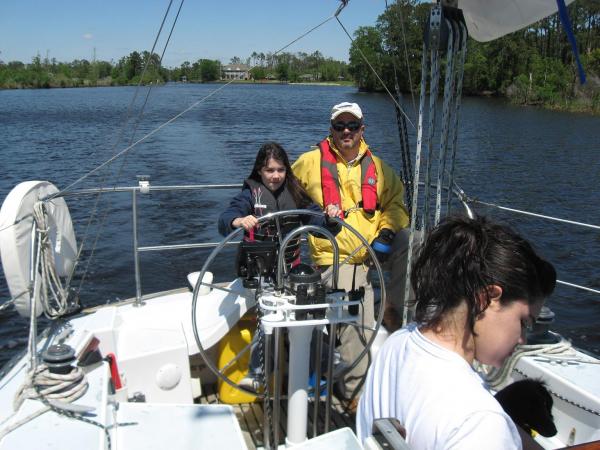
{"x":362,"y":327}
{"x":329,"y":272}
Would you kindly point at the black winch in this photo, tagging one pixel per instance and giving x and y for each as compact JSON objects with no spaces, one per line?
{"x":305,"y":281}
{"x":59,"y":358}
{"x":541,"y":334}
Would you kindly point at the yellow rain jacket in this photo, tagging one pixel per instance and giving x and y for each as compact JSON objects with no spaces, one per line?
{"x":392,"y":213}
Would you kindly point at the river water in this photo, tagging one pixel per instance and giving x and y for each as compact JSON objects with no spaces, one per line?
{"x":540,"y":161}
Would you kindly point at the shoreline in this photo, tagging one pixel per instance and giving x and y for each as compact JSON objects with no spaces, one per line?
{"x":103,"y":85}
{"x":573,"y":106}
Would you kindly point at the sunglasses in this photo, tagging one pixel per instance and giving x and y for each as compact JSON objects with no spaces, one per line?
{"x":341,"y":126}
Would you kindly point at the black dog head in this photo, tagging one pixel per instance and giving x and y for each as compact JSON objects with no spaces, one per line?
{"x":529,"y":405}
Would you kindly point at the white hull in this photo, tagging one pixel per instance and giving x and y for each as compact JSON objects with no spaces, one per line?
{"x":154,"y":345}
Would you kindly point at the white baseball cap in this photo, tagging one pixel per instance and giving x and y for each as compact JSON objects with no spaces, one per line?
{"x":346,"y":107}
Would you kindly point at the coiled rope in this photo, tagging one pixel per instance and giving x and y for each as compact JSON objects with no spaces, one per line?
{"x":54,"y":390}
{"x":497,"y":377}
{"x":62,"y":388}
{"x":50,"y":280}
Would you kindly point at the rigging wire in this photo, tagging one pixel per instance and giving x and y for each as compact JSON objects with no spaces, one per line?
{"x":119,"y":137}
{"x":406,"y":171}
{"x":376,"y":74}
{"x":303,"y":35}
{"x":410,"y":83}
{"x":449,"y":92}
{"x":130,"y":107}
{"x":137,"y":123}
{"x":459,"y":84}
{"x":6,"y":227}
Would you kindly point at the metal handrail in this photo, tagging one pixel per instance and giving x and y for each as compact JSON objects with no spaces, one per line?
{"x":155,"y":248}
{"x":144,"y":188}
{"x":465,"y":200}
{"x":188,"y":187}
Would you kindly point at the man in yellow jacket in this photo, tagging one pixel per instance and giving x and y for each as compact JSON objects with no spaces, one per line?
{"x":343,"y":171}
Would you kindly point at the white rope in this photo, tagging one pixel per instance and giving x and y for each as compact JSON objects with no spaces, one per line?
{"x":497,"y":377}
{"x":7,"y":303}
{"x":50,"y":279}
{"x":52,"y":386}
{"x":54,"y":390}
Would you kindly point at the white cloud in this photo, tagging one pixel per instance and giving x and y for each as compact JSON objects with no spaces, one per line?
{"x":88,"y":36}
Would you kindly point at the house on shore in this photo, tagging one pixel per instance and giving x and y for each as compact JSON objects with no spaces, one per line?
{"x":235,"y":72}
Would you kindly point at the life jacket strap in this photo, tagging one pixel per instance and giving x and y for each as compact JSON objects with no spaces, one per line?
{"x":330,"y":183}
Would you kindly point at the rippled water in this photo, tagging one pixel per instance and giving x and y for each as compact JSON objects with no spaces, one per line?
{"x":541,"y":161}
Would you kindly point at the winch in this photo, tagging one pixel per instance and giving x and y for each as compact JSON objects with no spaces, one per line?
{"x":305,"y":282}
{"x":540,"y":332}
{"x":59,"y":358}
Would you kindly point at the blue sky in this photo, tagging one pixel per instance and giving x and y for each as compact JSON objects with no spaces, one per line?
{"x":71,"y":29}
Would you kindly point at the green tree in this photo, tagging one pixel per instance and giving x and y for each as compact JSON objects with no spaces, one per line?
{"x":367,"y":43}
{"x":209,"y":70}
{"x":133,"y":65}
{"x":283,"y":71}
{"x":186,"y":70}
{"x":258,"y":73}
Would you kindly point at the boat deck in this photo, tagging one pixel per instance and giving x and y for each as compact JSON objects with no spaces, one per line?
{"x":251,"y":415}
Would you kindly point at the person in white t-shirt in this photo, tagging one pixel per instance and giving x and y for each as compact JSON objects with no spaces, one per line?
{"x":478,"y":286}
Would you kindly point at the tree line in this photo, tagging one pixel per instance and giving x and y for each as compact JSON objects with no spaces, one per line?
{"x":46,"y":73}
{"x":147,"y":68}
{"x":293,"y":67}
{"x":531,"y":66}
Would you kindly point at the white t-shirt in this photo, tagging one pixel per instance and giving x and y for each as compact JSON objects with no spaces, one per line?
{"x":441,"y":401}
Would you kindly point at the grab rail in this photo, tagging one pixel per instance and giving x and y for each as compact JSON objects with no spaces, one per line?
{"x":144,"y":187}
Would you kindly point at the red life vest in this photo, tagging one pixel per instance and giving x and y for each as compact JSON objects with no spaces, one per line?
{"x":330,"y":183}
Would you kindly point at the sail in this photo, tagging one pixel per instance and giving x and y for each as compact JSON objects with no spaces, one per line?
{"x":490,"y":19}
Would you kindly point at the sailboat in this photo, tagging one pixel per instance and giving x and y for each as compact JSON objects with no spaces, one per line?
{"x":163,"y":370}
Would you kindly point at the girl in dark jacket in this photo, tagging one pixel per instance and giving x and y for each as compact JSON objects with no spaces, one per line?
{"x":270,"y":187}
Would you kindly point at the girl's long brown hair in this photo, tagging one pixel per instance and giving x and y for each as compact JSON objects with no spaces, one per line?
{"x":275,"y":151}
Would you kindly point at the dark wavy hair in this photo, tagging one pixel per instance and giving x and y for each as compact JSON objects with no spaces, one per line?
{"x":462,"y":256}
{"x":275,"y":151}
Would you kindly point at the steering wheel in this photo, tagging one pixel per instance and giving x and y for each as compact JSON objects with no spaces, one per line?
{"x":276,"y":217}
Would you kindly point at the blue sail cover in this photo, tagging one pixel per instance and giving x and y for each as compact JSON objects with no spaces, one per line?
{"x":490,"y":19}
